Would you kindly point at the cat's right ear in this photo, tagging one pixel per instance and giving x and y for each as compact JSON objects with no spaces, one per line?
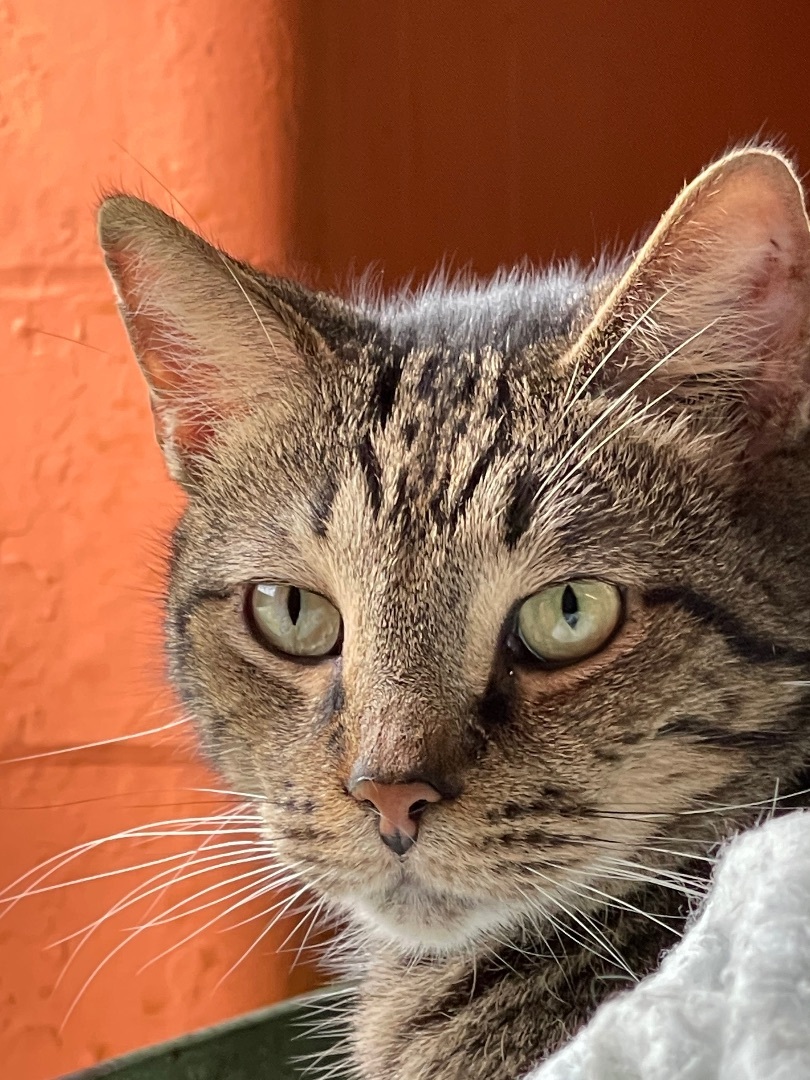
{"x":712,"y":317}
{"x":211,"y":336}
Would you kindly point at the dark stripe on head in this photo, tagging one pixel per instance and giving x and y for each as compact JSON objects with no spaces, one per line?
{"x":386,"y":385}
{"x":521,"y":507}
{"x":747,"y":646}
{"x":372,"y":472}
{"x":477,"y":474}
{"x":321,"y":509}
{"x":409,"y":432}
{"x":426,"y":387}
{"x":501,"y":404}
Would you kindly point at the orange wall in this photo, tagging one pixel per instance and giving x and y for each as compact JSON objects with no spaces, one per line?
{"x":492,"y":129}
{"x":335,"y":133}
{"x":84,"y":503}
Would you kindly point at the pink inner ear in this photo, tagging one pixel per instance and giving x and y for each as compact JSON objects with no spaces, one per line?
{"x":734,"y":256}
{"x":760,"y":257}
{"x":186,"y":422}
{"x":184,"y":413}
{"x":715,"y":308}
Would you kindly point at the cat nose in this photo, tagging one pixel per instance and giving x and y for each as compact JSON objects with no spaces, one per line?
{"x":399,"y":807}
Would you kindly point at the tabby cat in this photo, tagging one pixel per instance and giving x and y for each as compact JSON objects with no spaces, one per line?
{"x":494,"y":595}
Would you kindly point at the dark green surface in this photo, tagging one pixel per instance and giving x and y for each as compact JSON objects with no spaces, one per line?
{"x":261,"y":1046}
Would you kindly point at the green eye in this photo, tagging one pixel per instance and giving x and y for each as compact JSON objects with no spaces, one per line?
{"x":569,"y":622}
{"x":294,"y":620}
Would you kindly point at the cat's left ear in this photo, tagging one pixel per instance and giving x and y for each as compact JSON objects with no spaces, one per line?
{"x":214,"y":338}
{"x":713,"y":314}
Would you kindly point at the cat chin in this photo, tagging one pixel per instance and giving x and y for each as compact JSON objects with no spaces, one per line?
{"x":428,"y":922}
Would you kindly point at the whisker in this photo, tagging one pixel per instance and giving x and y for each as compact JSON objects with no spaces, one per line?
{"x":268,"y":885}
{"x":278,"y":915}
{"x":611,"y":353}
{"x":650,"y":815}
{"x":101,"y":875}
{"x":135,"y":896}
{"x":278,"y":878}
{"x":93,"y":745}
{"x":71,"y":340}
{"x":214,"y":861}
{"x":314,"y":918}
{"x":56,"y":862}
{"x":227,"y":819}
{"x":234,"y":794}
{"x":620,"y":903}
{"x":180,"y":910}
{"x":610,"y":409}
{"x":134,"y":933}
{"x":587,"y":926}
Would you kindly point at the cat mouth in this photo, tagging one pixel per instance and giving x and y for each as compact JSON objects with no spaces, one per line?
{"x":426,"y":918}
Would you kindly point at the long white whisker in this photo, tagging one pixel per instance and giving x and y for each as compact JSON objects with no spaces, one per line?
{"x":94,"y":745}
{"x":233,"y":794}
{"x":214,"y":861}
{"x":54,"y":863}
{"x":652,"y":815}
{"x":133,"y":934}
{"x":278,"y":879}
{"x":279,"y":915}
{"x":114,"y":873}
{"x":588,"y":927}
{"x":267,"y":885}
{"x":180,"y":910}
{"x":227,"y":819}
{"x":617,"y":403}
{"x":620,"y":902}
{"x":611,"y":353}
{"x":136,"y":895}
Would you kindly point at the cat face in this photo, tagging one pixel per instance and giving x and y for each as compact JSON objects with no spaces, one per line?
{"x":487,"y":589}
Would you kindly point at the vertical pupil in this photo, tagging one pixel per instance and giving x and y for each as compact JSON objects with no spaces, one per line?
{"x":294,"y":604}
{"x":570,"y":607}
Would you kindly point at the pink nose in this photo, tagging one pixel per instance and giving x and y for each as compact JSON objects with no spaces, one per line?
{"x":399,"y":806}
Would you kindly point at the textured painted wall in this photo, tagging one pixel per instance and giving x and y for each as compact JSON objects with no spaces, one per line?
{"x":339,"y":133}
{"x":199,"y":93}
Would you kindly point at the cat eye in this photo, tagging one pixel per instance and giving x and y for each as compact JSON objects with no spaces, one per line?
{"x":295,"y":621}
{"x":569,"y":622}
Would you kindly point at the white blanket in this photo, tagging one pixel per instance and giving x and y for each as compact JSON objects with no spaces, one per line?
{"x":732,"y":1000}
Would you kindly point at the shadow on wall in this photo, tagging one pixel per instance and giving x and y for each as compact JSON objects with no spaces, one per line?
{"x":492,"y":132}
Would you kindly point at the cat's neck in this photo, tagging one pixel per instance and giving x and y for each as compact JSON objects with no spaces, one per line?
{"x":442,"y":1018}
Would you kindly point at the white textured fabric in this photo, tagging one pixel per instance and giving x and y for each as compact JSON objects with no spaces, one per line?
{"x":732,"y":1000}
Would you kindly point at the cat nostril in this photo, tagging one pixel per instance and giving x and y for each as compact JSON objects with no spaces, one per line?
{"x":399,"y":806}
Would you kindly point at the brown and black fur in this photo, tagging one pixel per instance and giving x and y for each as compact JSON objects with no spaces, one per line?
{"x":427,"y":462}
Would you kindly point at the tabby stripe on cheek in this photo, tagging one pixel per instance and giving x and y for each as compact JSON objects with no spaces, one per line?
{"x":756,"y":650}
{"x":195,"y":597}
{"x":707,"y":733}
